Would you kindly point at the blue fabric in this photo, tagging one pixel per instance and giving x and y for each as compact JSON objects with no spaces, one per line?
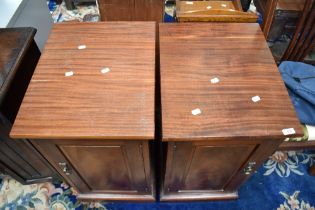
{"x":300,"y":81}
{"x":168,"y":18}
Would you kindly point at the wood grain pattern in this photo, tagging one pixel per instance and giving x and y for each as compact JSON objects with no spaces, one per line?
{"x":294,"y":5}
{"x":292,"y":145}
{"x":269,"y":16}
{"x":89,"y":104}
{"x":131,"y":10}
{"x":212,"y":11}
{"x":237,"y":54}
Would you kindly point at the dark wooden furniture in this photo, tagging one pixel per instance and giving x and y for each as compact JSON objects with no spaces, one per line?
{"x":212,"y":11}
{"x":279,"y":16}
{"x":94,"y":127}
{"x":210,"y":154}
{"x":19,"y":55}
{"x":131,"y":10}
{"x":303,"y":40}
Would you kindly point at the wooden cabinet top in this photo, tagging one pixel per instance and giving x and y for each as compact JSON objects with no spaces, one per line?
{"x":93,"y":81}
{"x":14,"y":42}
{"x":210,"y":75}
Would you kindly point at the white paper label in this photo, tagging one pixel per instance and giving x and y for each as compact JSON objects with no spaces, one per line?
{"x":105,"y":70}
{"x":311,"y":132}
{"x":196,"y":111}
{"x":288,"y":131}
{"x":69,"y":74}
{"x":209,"y":7}
{"x":223,"y":5}
{"x":214,"y":80}
{"x":189,"y":2}
{"x":81,"y":47}
{"x":255,"y":99}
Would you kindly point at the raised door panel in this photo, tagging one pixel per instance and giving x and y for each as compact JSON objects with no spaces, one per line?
{"x":211,"y":167}
{"x":101,"y":167}
{"x":193,"y":167}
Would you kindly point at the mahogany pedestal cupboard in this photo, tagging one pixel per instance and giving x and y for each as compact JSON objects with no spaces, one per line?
{"x":89,"y":108}
{"x":224,"y":108}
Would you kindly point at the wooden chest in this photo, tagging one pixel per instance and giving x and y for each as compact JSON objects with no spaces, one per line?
{"x":225,"y":108}
{"x":212,"y":11}
{"x":89,"y":108}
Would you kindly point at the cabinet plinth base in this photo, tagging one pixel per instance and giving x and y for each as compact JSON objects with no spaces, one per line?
{"x":116,"y":197}
{"x":183,"y":196}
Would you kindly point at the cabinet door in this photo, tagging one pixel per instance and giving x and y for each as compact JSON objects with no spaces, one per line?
{"x":101,"y":167}
{"x":193,"y":167}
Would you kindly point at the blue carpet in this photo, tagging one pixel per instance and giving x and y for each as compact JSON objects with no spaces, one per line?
{"x":281,"y":183}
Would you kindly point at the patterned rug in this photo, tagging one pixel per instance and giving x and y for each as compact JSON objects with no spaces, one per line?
{"x":282,"y":183}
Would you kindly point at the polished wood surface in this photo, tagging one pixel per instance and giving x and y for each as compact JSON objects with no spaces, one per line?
{"x":116,"y":105}
{"x":212,"y":11}
{"x":131,"y":10}
{"x":19,"y":55}
{"x":112,"y":170}
{"x":94,"y":127}
{"x":210,"y":154}
{"x":237,"y":54}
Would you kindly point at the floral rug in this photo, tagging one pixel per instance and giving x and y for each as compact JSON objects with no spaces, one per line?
{"x":281,"y":183}
{"x":81,"y":13}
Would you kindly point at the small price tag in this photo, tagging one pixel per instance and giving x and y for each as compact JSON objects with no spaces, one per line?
{"x":69,"y":74}
{"x":196,"y":111}
{"x":288,"y":131}
{"x":214,"y":80}
{"x":255,"y":99}
{"x":105,"y":70}
{"x":81,"y":47}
